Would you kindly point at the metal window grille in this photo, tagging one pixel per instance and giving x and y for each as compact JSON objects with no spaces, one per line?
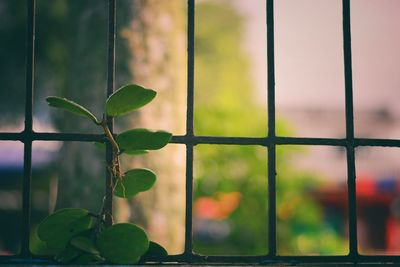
{"x":27,"y":136}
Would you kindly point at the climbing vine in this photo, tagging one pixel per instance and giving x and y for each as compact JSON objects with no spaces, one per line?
{"x":79,"y":236}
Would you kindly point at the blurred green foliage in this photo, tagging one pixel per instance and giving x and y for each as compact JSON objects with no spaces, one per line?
{"x":226,"y":105}
{"x":70,"y":32}
{"x":224,"y":95}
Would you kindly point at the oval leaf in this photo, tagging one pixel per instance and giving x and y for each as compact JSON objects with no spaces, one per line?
{"x":58,"y":228}
{"x":37,"y":246}
{"x":85,"y":244}
{"x":70,"y":106}
{"x":155,"y":249}
{"x":127,"y":99}
{"x":123,"y":243}
{"x":135,"y":152}
{"x":68,"y":254}
{"x":134,"y":182}
{"x":142,"y":139}
{"x":79,"y":225}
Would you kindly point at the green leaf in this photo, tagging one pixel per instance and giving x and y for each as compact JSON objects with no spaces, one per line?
{"x":127,"y":99}
{"x":58,"y":228}
{"x":37,"y":246}
{"x":68,"y":254}
{"x":84,"y":223}
{"x":85,"y":244}
{"x":70,"y":106}
{"x":155,"y":249}
{"x":142,"y":139}
{"x":133,"y":182}
{"x":123,"y":243}
{"x":136,"y":152}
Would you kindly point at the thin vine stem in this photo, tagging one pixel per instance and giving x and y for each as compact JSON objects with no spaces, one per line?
{"x":115,"y":167}
{"x":110,"y":136}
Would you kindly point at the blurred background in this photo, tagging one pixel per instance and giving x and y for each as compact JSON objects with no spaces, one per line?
{"x":230,"y":207}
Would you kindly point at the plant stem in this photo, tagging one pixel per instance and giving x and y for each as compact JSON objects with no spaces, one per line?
{"x":115,"y":166}
{"x":110,"y":137}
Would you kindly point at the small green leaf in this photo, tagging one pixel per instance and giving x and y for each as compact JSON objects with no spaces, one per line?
{"x":70,"y":106}
{"x":127,"y":99}
{"x":133,"y":182}
{"x":68,"y":254}
{"x":142,"y":139}
{"x":85,"y":244}
{"x":155,"y":249}
{"x":58,"y":228}
{"x":123,"y":243}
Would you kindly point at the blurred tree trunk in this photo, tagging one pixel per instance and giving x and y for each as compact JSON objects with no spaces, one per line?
{"x":81,"y":76}
{"x":157,"y":42}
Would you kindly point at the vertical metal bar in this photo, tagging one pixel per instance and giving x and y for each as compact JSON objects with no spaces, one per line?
{"x":352,"y":201}
{"x":271,"y":130}
{"x":110,"y":90}
{"x":26,"y":199}
{"x":189,"y":200}
{"x":348,"y":70}
{"x":189,"y":127}
{"x":30,"y":70}
{"x":30,"y":64}
{"x":350,"y":129}
{"x":272,"y":200}
{"x":190,"y":68}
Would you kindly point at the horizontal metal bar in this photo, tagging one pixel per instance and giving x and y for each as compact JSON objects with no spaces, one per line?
{"x":195,"y":140}
{"x":11,"y":136}
{"x":265,"y":141}
{"x":23,"y":136}
{"x":219,"y":140}
{"x":310,"y":141}
{"x":15,"y":260}
{"x":376,"y":142}
{"x":201,"y":259}
{"x":68,"y":137}
{"x":229,"y":260}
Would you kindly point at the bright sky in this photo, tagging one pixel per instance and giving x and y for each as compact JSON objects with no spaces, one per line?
{"x":309,"y":68}
{"x":309,"y":56}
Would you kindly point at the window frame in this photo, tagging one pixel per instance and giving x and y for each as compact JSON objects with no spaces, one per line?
{"x":190,"y":140}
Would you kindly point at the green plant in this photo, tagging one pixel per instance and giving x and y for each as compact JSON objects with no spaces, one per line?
{"x":77,"y":236}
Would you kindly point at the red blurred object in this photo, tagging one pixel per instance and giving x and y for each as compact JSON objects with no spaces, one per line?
{"x":365,"y":186}
{"x":379,"y":230}
{"x":393,"y":234}
{"x":218,"y":207}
